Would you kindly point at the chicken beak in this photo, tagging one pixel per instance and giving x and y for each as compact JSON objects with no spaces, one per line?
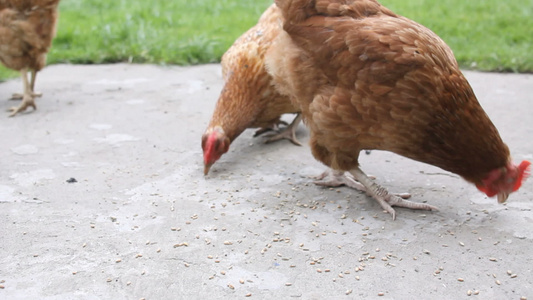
{"x":208,"y":166}
{"x":502,"y":197}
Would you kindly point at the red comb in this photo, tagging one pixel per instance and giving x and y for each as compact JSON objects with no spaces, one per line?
{"x":523,"y":173}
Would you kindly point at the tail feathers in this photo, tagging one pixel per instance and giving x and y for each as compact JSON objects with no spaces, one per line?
{"x":296,"y":11}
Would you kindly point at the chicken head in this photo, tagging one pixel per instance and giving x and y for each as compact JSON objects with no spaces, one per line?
{"x":503,"y":181}
{"x":214,"y":144}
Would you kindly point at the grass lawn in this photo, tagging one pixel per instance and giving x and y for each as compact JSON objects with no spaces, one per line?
{"x":490,"y":35}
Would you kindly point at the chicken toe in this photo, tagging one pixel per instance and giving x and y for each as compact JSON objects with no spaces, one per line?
{"x":336,"y":178}
{"x":273,"y":127}
{"x":17,"y":96}
{"x":384,"y":198}
{"x":27,"y":101}
{"x":28,"y":96}
{"x":288,"y":132}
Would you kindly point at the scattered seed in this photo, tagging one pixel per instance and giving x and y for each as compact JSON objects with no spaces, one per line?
{"x":108,"y":280}
{"x":118,"y":260}
{"x":426,"y":251}
{"x":348,"y":292}
{"x":509,"y":272}
{"x":228,"y":243}
{"x":357,"y":278}
{"x":319,"y":271}
{"x":143,"y":272}
{"x":523,"y":298}
{"x":138,"y":255}
{"x":2,"y":286}
{"x":248,"y":295}
{"x":476,"y":292}
{"x":460,"y":279}
{"x":210,"y":256}
{"x":84,"y":245}
{"x":186,"y":265}
{"x":231,"y":286}
{"x":288,"y":284}
{"x":74,"y":272}
{"x":381,"y":294}
{"x":223,"y":272}
{"x":469,"y":293}
{"x":493,"y":259}
{"x":158,"y":250}
{"x":514,"y":276}
{"x":462,"y":244}
{"x":327,"y":270}
{"x":241,"y":281}
{"x":498,"y":282}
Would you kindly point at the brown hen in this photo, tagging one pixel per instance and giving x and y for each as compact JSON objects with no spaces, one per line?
{"x":248,"y":99}
{"x":27,"y":28}
{"x":366,"y":78}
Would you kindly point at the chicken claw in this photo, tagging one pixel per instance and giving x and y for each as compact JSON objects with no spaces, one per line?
{"x":288,"y":132}
{"x":336,"y":178}
{"x":384,"y":198}
{"x":17,"y":96}
{"x":27,"y":101}
{"x":273,"y":127}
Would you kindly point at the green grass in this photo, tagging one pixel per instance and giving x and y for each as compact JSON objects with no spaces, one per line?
{"x":489,"y":35}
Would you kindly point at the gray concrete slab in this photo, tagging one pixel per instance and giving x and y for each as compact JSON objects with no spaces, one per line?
{"x":142,"y":221}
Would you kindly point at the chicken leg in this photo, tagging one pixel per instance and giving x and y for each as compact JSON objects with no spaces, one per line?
{"x":383,"y":197}
{"x":27,"y":96}
{"x":288,"y":132}
{"x":17,"y":96}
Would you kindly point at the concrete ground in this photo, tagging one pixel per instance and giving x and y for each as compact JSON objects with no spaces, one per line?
{"x":141,"y":220}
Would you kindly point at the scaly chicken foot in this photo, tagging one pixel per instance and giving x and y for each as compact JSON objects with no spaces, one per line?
{"x":27,"y":98}
{"x":273,"y":127}
{"x":384,"y":198}
{"x":17,"y":96}
{"x":27,"y":101}
{"x":288,"y":132}
{"x":336,"y":178}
